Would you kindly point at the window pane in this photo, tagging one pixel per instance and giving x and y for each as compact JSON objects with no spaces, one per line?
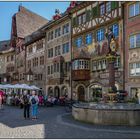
{"x":115,"y":30}
{"x":84,"y":18}
{"x":67,"y":47}
{"x":108,"y":7}
{"x":132,"y":42}
{"x":88,"y":39}
{"x":131,"y":10}
{"x":102,"y":9}
{"x":100,"y":35}
{"x":138,"y":40}
{"x":137,"y":8}
{"x":79,"y":42}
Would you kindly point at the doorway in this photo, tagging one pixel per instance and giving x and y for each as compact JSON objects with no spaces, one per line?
{"x":57,"y":92}
{"x":81,"y":93}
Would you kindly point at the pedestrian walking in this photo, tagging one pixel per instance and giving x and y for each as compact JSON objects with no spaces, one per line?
{"x":26,"y":105}
{"x":34,"y":101}
{"x":1,"y":99}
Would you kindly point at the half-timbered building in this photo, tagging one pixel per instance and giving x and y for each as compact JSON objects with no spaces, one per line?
{"x":90,"y":22}
{"x":58,"y":55}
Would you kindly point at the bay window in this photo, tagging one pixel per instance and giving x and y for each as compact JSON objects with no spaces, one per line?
{"x":80,"y":64}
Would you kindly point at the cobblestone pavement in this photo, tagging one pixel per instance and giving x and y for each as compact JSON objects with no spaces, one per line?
{"x":54,"y":122}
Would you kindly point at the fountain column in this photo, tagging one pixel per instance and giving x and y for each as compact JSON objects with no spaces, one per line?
{"x":111,"y":57}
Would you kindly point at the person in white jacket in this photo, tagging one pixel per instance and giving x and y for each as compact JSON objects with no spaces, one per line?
{"x":34,"y":100}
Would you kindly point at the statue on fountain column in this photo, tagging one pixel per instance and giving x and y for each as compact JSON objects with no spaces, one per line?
{"x":109,"y":36}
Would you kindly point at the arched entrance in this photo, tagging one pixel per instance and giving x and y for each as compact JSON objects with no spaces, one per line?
{"x":95,"y":91}
{"x":64,"y":91}
{"x":57,"y":92}
{"x":81,"y":93}
{"x":50,"y":91}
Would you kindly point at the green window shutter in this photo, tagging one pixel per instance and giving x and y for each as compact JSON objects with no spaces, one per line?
{"x":88,"y":15}
{"x":95,"y":12}
{"x":74,"y":21}
{"x":114,"y":4}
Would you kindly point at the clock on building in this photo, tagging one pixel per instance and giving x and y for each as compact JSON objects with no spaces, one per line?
{"x":113,"y":45}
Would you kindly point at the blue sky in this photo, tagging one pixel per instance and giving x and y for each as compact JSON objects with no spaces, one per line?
{"x":7,"y":9}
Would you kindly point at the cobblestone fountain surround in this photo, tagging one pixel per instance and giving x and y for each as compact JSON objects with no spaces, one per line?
{"x":107,"y":114}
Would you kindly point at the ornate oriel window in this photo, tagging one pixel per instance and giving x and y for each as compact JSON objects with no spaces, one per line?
{"x":80,"y":64}
{"x":81,"y":69}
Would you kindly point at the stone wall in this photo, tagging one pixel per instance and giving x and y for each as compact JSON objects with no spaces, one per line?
{"x":107,"y":116}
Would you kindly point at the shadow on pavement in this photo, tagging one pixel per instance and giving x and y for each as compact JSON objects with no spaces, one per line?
{"x":13,"y":117}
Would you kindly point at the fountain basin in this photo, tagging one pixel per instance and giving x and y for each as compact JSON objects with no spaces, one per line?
{"x":107,"y":114}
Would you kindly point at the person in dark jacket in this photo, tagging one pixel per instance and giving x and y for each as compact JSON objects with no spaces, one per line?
{"x":26,"y":105}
